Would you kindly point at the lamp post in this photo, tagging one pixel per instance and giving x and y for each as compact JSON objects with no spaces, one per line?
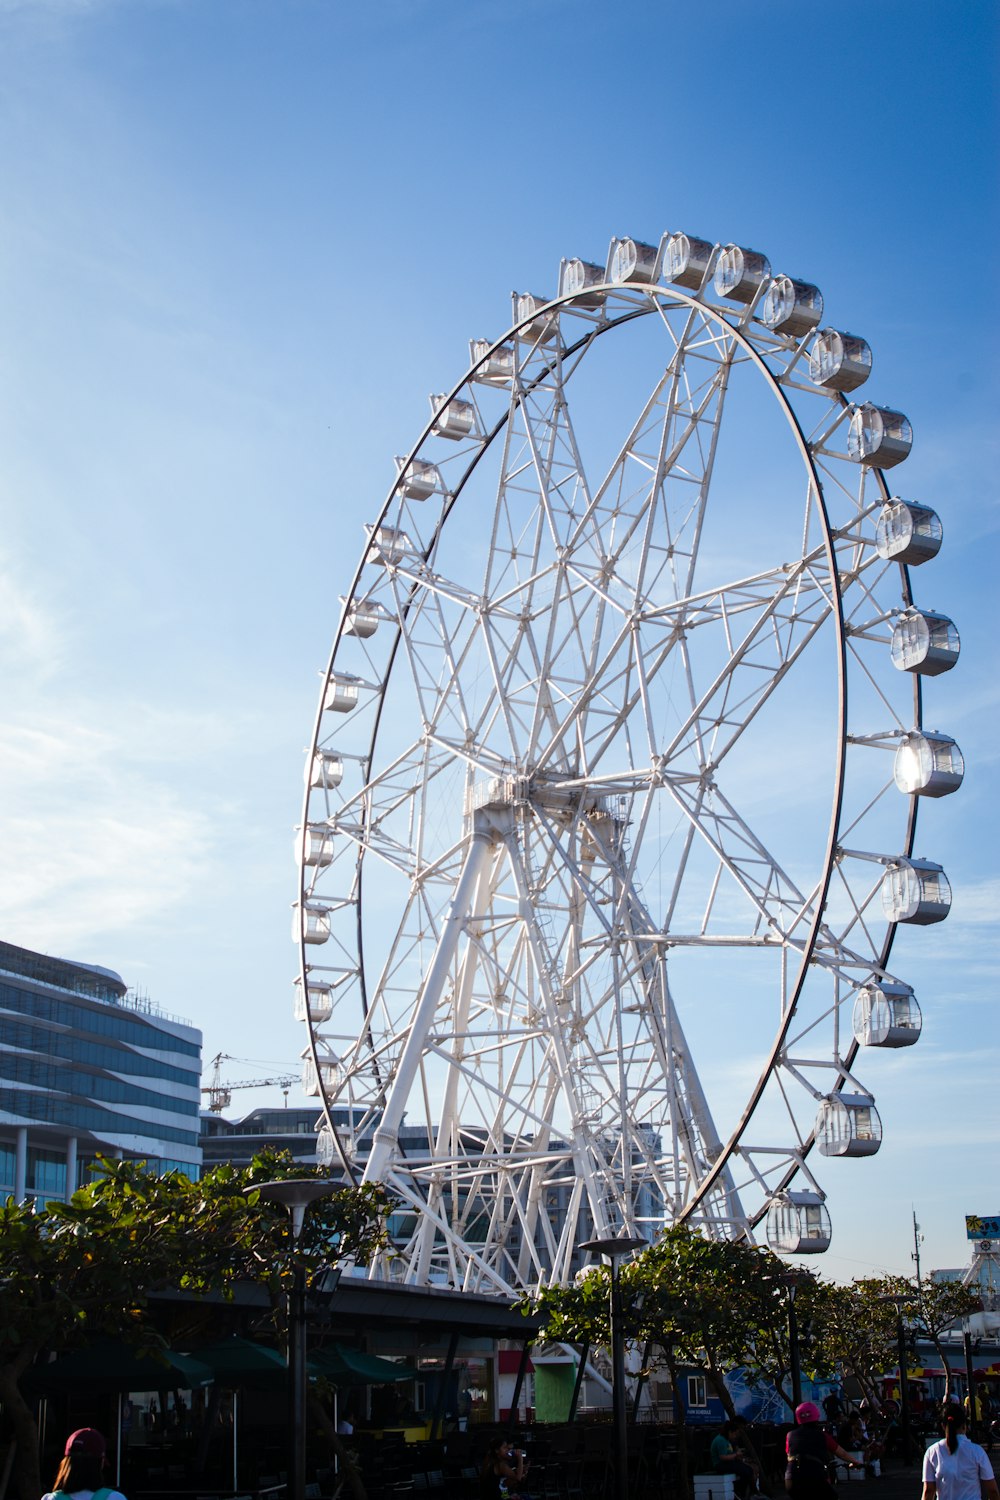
{"x":791,"y":1282}
{"x":295,"y":1195}
{"x":613,"y":1250}
{"x":970,"y":1377}
{"x":899,"y":1302}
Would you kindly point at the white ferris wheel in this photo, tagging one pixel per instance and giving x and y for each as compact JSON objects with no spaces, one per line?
{"x":612,"y":791}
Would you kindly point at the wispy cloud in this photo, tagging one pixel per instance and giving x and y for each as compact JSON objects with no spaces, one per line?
{"x":93,"y":841}
{"x":31,"y":634}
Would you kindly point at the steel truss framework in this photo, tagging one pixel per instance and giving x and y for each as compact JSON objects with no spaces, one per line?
{"x":578,"y":699}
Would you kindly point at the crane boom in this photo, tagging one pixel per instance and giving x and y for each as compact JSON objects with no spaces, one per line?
{"x":220,"y":1093}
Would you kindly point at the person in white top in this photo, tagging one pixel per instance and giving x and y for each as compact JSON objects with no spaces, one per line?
{"x":955,"y":1468}
{"x":81,"y":1472}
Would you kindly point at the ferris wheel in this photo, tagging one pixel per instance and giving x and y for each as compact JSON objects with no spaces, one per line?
{"x":611,"y":797}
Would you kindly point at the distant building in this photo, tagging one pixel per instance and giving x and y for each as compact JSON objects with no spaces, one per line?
{"x":88,"y":1068}
{"x":238,"y":1141}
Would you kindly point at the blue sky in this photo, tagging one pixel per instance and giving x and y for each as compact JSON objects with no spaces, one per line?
{"x":242,"y":240}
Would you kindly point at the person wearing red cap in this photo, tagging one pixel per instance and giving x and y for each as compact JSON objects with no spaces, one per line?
{"x":81,"y":1472}
{"x":809,"y":1450}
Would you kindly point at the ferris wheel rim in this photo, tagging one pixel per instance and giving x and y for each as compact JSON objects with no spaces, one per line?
{"x":653,"y":296}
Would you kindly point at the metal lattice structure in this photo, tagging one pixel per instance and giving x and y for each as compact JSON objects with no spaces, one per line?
{"x":612,"y":790}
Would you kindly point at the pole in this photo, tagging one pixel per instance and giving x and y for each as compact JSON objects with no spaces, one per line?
{"x":294,"y":1194}
{"x":613,"y":1249}
{"x":970,"y":1379}
{"x":643,"y":1377}
{"x":793,"y":1350}
{"x":522,"y":1370}
{"x":618,"y":1386}
{"x":437,"y":1419}
{"x":297,"y":1379}
{"x":904,"y":1386}
{"x":578,"y":1383}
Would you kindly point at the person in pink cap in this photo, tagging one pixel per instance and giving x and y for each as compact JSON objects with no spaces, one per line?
{"x":81,"y":1472}
{"x":809,"y":1450}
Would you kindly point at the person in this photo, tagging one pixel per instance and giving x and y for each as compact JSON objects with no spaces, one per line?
{"x":854,"y":1436}
{"x":81,"y":1472}
{"x":503,"y":1471}
{"x":728,"y":1458}
{"x":834,"y":1407}
{"x":956,"y":1468}
{"x":809,"y":1450}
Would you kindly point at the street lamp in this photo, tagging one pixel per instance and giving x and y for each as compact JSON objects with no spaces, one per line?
{"x":295,"y":1195}
{"x":970,"y":1377}
{"x":614,"y":1249}
{"x":899,"y":1301}
{"x":790,"y":1280}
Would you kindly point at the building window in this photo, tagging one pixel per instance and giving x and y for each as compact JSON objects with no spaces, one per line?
{"x":46,"y":1173}
{"x":697,"y":1395}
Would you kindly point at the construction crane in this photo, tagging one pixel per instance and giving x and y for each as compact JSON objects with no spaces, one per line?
{"x":220,"y":1095}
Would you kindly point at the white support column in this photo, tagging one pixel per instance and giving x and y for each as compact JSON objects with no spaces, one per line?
{"x":583,"y":1158}
{"x":21,"y":1164}
{"x":387,"y":1135}
{"x":71,"y":1167}
{"x":448,"y":1121}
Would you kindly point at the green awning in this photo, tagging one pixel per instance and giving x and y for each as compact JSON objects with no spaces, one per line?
{"x":108,"y":1367}
{"x":342,"y":1365}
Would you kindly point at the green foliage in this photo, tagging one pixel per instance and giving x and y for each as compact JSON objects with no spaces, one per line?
{"x":87,"y":1266}
{"x":720,"y":1304}
{"x":712,"y":1303}
{"x":74,"y":1271}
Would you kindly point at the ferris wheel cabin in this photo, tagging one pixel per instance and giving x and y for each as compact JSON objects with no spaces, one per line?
{"x":917,"y":891}
{"x":316,"y":1004}
{"x":326,"y":769}
{"x":924,"y":642}
{"x":318,"y":846}
{"x":632,"y":260}
{"x":791,"y":307}
{"x":908,"y":533}
{"x":839,"y":361}
{"x":886,"y":1015}
{"x":878,"y":436}
{"x":418,"y":479}
{"x":496,"y":369}
{"x":539,"y":327}
{"x":848,"y":1125}
{"x":311,"y":923}
{"x":575,"y":280}
{"x":928,"y":765}
{"x":341,"y":693}
{"x":798,"y":1224}
{"x":688,"y":261}
{"x":453,"y":419}
{"x":740,"y":274}
{"x":319,"y":1073}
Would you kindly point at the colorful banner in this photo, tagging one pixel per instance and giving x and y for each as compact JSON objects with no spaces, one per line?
{"x":985,"y":1227}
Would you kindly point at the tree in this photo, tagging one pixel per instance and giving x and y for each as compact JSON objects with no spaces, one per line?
{"x":938,"y":1305}
{"x":711,"y":1303}
{"x":79,"y":1270}
{"x":857,"y":1326}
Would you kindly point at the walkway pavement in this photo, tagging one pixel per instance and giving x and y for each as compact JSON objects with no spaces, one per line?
{"x":900,"y":1482}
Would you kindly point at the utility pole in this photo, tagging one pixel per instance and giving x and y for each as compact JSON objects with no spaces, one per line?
{"x":917,"y":1242}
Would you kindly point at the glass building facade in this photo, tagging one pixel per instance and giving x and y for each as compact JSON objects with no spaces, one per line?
{"x":88,"y":1068}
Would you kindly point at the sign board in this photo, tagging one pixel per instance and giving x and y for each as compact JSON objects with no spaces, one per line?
{"x":982,"y":1226}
